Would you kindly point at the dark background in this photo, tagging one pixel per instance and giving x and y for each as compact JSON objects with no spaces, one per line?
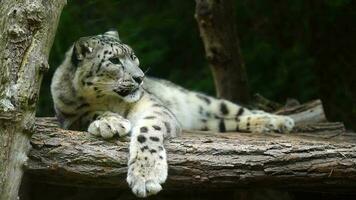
{"x":292,"y":48}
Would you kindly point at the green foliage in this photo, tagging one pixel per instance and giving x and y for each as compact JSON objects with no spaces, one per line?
{"x":276,"y":39}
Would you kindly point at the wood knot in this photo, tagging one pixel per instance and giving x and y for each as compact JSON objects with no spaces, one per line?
{"x":17,"y":33}
{"x":33,"y":99}
{"x":44,"y":67}
{"x":34,"y":14}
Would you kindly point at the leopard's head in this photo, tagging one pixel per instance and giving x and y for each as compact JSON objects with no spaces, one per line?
{"x":106,"y":66}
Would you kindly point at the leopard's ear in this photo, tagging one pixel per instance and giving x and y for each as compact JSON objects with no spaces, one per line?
{"x":112,"y":33}
{"x":81,"y":49}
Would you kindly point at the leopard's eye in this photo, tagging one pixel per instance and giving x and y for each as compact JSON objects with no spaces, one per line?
{"x":115,"y":60}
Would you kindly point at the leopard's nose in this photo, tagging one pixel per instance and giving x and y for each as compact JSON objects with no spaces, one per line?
{"x":138,"y":79}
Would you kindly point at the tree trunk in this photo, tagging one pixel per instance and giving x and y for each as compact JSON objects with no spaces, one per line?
{"x":27,"y":29}
{"x":218,"y":30}
{"x":225,"y":160}
{"x":334,"y":68}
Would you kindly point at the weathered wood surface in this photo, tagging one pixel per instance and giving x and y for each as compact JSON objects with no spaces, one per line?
{"x":294,"y":161}
{"x":308,"y":113}
{"x":27,"y":29}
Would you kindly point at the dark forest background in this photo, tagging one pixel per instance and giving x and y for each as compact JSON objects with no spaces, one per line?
{"x":292,"y":48}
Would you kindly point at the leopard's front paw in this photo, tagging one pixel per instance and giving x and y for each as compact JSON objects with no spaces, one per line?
{"x":146,"y":180}
{"x":110,"y":125}
{"x":148,"y":169}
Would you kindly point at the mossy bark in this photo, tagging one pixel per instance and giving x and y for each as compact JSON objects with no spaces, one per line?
{"x":27,"y":30}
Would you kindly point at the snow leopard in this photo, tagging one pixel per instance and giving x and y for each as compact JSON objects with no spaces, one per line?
{"x":99,"y":88}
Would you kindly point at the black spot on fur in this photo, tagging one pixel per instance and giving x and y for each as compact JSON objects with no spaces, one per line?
{"x":132,"y":161}
{"x":85,"y":49}
{"x":248,"y":123}
{"x":141,"y":139}
{"x":155,"y":139}
{"x":204,"y":98}
{"x":144,"y":129}
{"x":160,"y":157}
{"x":156,"y":105}
{"x":156,"y":127}
{"x":222,"y":127}
{"x":108,"y":126}
{"x":99,"y":66}
{"x":223,"y":108}
{"x":168,"y":127}
{"x":150,"y":117}
{"x":153,"y":151}
{"x":90,"y":74}
{"x":240,"y":112}
{"x":144,"y":148}
{"x":160,"y":148}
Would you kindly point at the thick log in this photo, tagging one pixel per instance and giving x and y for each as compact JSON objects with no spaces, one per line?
{"x":224,"y":160}
{"x":27,"y":29}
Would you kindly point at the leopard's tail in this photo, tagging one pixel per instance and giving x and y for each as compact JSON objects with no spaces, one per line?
{"x":222,"y":115}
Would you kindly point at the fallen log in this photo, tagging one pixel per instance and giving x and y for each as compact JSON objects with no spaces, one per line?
{"x":209,"y":160}
{"x":311,"y":112}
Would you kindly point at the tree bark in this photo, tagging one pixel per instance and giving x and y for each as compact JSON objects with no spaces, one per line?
{"x":228,"y":160}
{"x":217,"y":24}
{"x":27,"y":30}
{"x":337,"y":85}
